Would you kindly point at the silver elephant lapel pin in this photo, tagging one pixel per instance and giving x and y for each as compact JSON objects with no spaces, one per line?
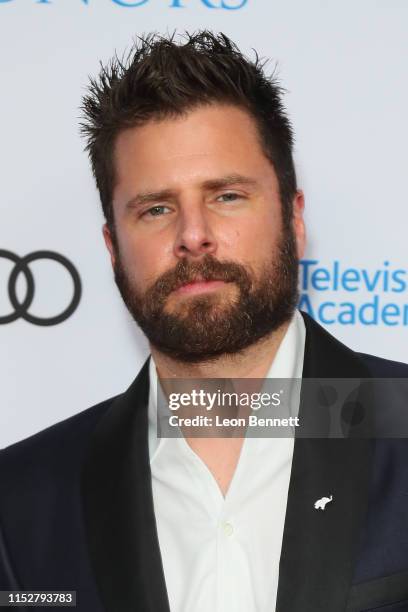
{"x":320,"y":504}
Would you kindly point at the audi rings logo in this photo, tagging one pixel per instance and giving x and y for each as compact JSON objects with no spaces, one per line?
{"x":21,"y":307}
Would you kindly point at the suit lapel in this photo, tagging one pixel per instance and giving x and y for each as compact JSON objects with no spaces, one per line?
{"x":319,"y":548}
{"x":118,"y":507}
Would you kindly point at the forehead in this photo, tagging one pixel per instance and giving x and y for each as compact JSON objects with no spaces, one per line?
{"x":204,"y":143}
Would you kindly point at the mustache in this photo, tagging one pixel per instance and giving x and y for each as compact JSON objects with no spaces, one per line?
{"x":207,"y":269}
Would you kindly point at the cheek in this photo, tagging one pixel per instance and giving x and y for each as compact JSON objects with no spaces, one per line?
{"x":253,"y":240}
{"x":145,"y":260}
{"x":268,"y":232}
{"x":254,"y":243}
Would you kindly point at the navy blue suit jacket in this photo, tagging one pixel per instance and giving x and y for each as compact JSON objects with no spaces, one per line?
{"x":76,"y":507}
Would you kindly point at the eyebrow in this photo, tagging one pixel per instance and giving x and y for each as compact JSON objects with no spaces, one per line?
{"x":209,"y":185}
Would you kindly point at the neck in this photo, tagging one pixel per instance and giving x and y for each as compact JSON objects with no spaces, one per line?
{"x":252,"y":362}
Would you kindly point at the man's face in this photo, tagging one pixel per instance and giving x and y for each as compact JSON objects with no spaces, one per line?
{"x":203,"y":261}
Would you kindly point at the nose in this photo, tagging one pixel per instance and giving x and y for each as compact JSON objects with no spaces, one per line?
{"x":195,"y":236}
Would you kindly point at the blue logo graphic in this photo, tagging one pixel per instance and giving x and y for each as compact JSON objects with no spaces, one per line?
{"x":335,"y":294}
{"x":228,"y":5}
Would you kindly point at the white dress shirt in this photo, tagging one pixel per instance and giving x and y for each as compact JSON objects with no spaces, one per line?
{"x":222,"y":554}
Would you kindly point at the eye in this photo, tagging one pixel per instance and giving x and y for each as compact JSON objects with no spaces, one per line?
{"x":155,"y":211}
{"x":229,"y":197}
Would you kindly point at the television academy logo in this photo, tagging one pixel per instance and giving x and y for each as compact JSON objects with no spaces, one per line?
{"x":228,"y":5}
{"x":337,"y":293}
{"x":21,"y":308}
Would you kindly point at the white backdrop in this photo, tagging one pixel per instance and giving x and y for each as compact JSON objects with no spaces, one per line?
{"x":344,"y":65}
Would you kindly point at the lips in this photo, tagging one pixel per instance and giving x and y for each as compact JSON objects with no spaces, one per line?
{"x":199,"y":285}
{"x":198,"y":279}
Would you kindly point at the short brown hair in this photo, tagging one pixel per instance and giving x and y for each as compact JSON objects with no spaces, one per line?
{"x":160,"y":79}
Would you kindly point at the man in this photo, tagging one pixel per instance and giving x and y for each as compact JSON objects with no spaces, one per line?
{"x":192,"y":155}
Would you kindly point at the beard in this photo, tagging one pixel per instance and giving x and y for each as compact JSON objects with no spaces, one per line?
{"x":205,"y":326}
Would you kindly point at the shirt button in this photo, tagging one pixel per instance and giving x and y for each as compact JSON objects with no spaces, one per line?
{"x":228,"y":529}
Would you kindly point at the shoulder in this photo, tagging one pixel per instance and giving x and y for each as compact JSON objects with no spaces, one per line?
{"x":53,"y":452}
{"x":331,"y":358}
{"x":384,"y":368}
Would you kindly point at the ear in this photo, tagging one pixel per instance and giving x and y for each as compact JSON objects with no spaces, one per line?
{"x":107,"y":236}
{"x":299,"y":223}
